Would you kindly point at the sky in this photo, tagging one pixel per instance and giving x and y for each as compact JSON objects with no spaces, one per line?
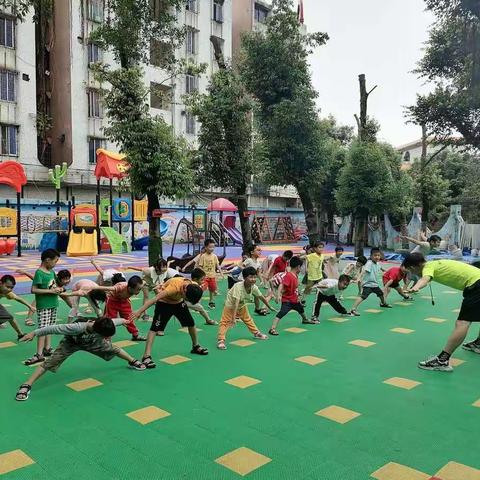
{"x":382,"y":39}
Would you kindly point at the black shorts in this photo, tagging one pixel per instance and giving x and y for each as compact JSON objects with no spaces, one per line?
{"x":367,"y":291}
{"x":165,"y":311}
{"x":287,"y":306}
{"x":470,"y":308}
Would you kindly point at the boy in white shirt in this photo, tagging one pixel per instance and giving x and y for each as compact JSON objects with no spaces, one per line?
{"x":328,"y":289}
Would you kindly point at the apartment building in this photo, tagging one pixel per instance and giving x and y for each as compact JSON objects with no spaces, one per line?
{"x":17,"y":93}
{"x":72,"y":94}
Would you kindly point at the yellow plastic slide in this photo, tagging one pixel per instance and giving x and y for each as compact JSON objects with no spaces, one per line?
{"x":82,"y":244}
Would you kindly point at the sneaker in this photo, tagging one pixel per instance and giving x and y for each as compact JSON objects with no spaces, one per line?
{"x":385,"y":305}
{"x":260,"y":336}
{"x":349,"y":314}
{"x":146,"y":318}
{"x":139,"y":338}
{"x":408,"y":298}
{"x":303,"y":302}
{"x":211,"y":305}
{"x":471,"y":347}
{"x":315,"y":319}
{"x":47,"y":352}
{"x":434,"y":363}
{"x":353,"y":313}
{"x":221,"y":345}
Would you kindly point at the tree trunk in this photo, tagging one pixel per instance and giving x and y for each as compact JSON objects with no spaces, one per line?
{"x":310,"y":214}
{"x":155,"y":240}
{"x":242,"y":205}
{"x":360,"y":231}
{"x":423,"y":194}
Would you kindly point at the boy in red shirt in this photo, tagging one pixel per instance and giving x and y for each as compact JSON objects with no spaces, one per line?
{"x":289,"y":292}
{"x":119,"y":306}
{"x":392,"y":278}
{"x":279,"y":265}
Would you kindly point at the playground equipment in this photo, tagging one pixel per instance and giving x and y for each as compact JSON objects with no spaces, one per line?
{"x":13,"y":175}
{"x":193,"y":241}
{"x":83,"y":239}
{"x":273,"y":229}
{"x":224,"y":231}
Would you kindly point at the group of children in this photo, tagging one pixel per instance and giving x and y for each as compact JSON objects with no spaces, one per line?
{"x":175,"y":295}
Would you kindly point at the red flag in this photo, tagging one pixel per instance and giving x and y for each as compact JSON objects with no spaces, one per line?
{"x":301,"y":18}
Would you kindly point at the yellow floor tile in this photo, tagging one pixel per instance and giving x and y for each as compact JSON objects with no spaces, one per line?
{"x":457,"y":471}
{"x":14,"y":460}
{"x":395,"y":471}
{"x":85,"y":384}
{"x":243,"y":461}
{"x":185,"y":330}
{"x":450,"y":292}
{"x":338,"y":319}
{"x":310,"y":360}
{"x":456,"y":362}
{"x":175,"y":359}
{"x":362,"y":343}
{"x":25,"y":312}
{"x":148,"y":414}
{"x":295,"y":330}
{"x":401,"y":330}
{"x":352,"y":297}
{"x":7,"y":344}
{"x":403,"y":304}
{"x":372,"y":310}
{"x":476,"y":404}
{"x":400,"y":382}
{"x":435,"y":320}
{"x":337,"y":414}
{"x":124,"y":343}
{"x":243,"y":381}
{"x":242,"y":343}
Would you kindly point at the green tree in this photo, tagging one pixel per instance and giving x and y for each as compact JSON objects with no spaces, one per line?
{"x":275,"y":71}
{"x":371,"y":183}
{"x":225,"y":153}
{"x":452,"y":65}
{"x":159,"y":162}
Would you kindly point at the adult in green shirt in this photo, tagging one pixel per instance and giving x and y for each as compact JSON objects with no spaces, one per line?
{"x":457,"y":275}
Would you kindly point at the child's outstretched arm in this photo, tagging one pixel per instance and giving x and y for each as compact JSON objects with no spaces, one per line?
{"x":24,"y":302}
{"x":193,"y":260}
{"x":147,"y":305}
{"x":411,"y":240}
{"x":98,"y":268}
{"x":266,"y":302}
{"x":24,"y":272}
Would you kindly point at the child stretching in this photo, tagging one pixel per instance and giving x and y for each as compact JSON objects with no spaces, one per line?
{"x":314,"y":268}
{"x":119,"y":305}
{"x":328,"y":289}
{"x":332,"y":264}
{"x":354,"y":271}
{"x":94,"y":294}
{"x":289,"y":292}
{"x":279,"y":265}
{"x":392,"y":278}
{"x":171,"y":301}
{"x":198,"y":277}
{"x":7,"y":284}
{"x":370,"y":281}
{"x":209,"y":263}
{"x":46,"y":286}
{"x":89,"y":336}
{"x":235,"y":307}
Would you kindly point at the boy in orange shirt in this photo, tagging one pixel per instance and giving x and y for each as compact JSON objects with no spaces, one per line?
{"x":171,"y":301}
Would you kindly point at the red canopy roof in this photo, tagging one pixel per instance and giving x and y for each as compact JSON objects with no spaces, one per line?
{"x":110,"y":165}
{"x":13,"y":175}
{"x":221,"y":205}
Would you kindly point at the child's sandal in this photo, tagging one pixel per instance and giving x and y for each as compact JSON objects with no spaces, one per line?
{"x":29,"y":322}
{"x":34,"y":359}
{"x":148,"y":362}
{"x":262,"y":312}
{"x":137,"y":365}
{"x":23,"y":392}
{"x":198,"y":350}
{"x":273,"y":332}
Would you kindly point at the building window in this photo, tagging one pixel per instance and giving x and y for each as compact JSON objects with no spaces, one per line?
{"x":192,"y":41}
{"x":191,"y":83}
{"x":218,"y":11}
{"x":406,"y":157}
{"x":261,"y":13}
{"x":95,"y":10}
{"x":95,"y":109}
{"x":191,"y":5}
{"x":161,"y":53}
{"x":8,"y":140}
{"x":161,"y":96}
{"x":7,"y":86}
{"x":7,"y":32}
{"x":190,"y":126}
{"x":94,"y":53}
{"x":94,"y":144}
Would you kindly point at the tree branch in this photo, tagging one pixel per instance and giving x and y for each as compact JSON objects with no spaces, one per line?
{"x":440,"y":150}
{"x":372,"y":90}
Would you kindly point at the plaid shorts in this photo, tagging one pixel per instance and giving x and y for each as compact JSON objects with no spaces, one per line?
{"x":46,"y":317}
